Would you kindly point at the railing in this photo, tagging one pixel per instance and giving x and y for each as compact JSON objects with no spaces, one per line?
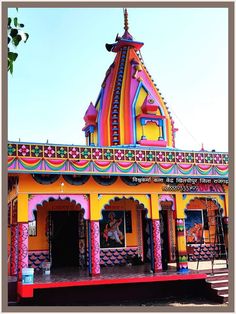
{"x":73,"y":159}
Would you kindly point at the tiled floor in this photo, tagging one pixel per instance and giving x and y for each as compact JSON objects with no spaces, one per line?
{"x":75,"y":274}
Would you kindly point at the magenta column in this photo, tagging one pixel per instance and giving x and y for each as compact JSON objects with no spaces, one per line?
{"x":14,"y":250}
{"x":95,"y":247}
{"x":22,"y":247}
{"x":156,"y":245}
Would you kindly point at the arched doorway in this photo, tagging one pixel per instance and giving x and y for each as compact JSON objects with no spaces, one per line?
{"x":61,"y":231}
{"x":202,"y":218}
{"x":125,"y":233}
{"x":167,"y":232}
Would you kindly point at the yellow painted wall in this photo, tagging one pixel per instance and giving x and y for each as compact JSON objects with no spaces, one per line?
{"x":140,"y":99}
{"x":138,"y":130}
{"x":151,"y":131}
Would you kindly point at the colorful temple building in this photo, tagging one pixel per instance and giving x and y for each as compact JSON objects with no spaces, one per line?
{"x":128,"y":194}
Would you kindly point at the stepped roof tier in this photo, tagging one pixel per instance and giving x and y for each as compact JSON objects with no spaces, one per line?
{"x":130,"y":108}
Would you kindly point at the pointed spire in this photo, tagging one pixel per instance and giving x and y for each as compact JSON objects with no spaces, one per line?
{"x":126,"y":24}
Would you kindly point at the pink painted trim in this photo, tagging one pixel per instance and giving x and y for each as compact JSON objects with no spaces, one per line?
{"x":166,"y":197}
{"x":152,"y":143}
{"x":35,"y":200}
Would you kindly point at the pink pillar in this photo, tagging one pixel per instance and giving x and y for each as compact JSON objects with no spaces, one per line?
{"x":14,"y":250}
{"x":95,"y":247}
{"x":156,"y":245}
{"x":22,"y":247}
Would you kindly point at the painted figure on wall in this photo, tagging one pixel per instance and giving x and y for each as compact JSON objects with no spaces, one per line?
{"x":112,"y":229}
{"x":194,"y":224}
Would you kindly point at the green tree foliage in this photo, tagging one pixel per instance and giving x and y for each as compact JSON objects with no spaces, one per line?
{"x":15,"y":36}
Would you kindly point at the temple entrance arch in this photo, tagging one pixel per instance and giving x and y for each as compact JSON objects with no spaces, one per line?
{"x":61,"y":230}
{"x":202,"y":214}
{"x":125,"y":233}
{"x":167,"y":215}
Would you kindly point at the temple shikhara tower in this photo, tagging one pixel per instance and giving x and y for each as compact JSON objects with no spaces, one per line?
{"x":130,"y":110}
{"x":126,"y":197}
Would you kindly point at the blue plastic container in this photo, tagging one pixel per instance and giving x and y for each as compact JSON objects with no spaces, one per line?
{"x":27,"y":276}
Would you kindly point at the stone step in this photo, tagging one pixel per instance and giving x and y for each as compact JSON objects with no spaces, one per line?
{"x":216,"y":281}
{"x":222,"y":288}
{"x":217,"y":278}
{"x":219,"y":274}
{"x":220,"y":285}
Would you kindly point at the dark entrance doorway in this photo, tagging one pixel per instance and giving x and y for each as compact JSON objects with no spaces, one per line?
{"x":146,"y":237}
{"x":64,"y":238}
{"x":164,"y":238}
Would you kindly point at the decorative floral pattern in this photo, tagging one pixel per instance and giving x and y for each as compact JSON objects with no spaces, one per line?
{"x":119,"y":154}
{"x":189,"y":157}
{"x":49,"y":151}
{"x":180,"y":157}
{"x":23,"y":150}
{"x":62,"y":152}
{"x":74,"y":152}
{"x":23,"y":247}
{"x":225,"y":158}
{"x":108,"y":154}
{"x":95,"y":247}
{"x":11,"y":149}
{"x":37,"y":150}
{"x":83,"y":152}
{"x":170,"y":157}
{"x":150,"y":156}
{"x":208,"y":158}
{"x":160,"y":156}
{"x":140,"y":155}
{"x":199,"y":158}
{"x":217,"y":159}
{"x":156,"y":245}
{"x":97,"y":153}
{"x":14,"y":250}
{"x":129,"y":155}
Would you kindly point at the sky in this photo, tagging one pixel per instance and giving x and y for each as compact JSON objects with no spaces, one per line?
{"x":60,"y":69}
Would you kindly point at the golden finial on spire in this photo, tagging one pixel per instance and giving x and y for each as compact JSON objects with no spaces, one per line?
{"x":126,"y":20}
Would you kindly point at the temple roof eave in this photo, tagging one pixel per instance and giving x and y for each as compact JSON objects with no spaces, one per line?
{"x":142,"y":161}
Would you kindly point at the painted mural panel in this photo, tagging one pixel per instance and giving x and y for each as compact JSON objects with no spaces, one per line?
{"x":193,"y":225}
{"x":112,"y":229}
